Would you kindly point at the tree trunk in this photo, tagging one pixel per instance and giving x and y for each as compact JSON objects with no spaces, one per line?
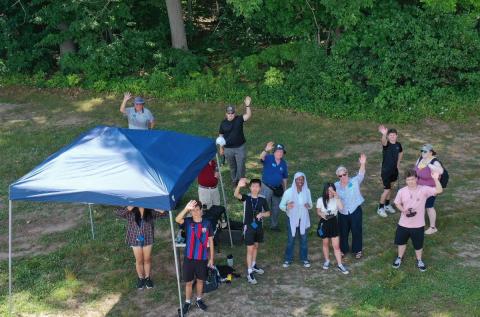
{"x":177,"y":26}
{"x":67,"y":46}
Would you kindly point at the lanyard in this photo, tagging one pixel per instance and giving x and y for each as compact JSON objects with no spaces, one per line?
{"x":254,"y":207}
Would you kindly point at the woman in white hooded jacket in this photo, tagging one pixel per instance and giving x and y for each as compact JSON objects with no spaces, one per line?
{"x":296,"y":201}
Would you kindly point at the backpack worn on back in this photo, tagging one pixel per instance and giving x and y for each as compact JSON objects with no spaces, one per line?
{"x":444,"y":177}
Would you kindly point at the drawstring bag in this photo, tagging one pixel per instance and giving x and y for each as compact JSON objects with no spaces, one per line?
{"x":213,"y":279}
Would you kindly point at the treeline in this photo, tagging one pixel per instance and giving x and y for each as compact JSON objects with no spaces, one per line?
{"x":375,"y":59}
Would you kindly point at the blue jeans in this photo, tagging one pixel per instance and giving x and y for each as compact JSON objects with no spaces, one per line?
{"x":353,"y":223}
{"x":291,"y":244}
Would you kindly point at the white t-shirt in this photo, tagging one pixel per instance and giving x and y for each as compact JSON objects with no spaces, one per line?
{"x":331,"y":208}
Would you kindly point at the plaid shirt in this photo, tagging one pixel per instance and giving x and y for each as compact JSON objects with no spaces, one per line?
{"x":134,"y":230}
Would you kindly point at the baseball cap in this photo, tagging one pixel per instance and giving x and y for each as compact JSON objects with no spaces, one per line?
{"x":427,"y":147}
{"x":280,"y":147}
{"x":230,"y":109}
{"x":139,"y":100}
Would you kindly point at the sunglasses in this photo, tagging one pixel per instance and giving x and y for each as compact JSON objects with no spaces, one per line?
{"x":340,"y":176}
{"x":423,"y":151}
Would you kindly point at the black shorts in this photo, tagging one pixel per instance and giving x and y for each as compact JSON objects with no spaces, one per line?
{"x":330,"y":228}
{"x":388,"y":177}
{"x":194,"y":269}
{"x":253,"y":235}
{"x":416,"y":234}
{"x":430,"y":202}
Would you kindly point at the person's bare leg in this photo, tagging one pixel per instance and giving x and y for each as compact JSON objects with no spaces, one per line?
{"x":385,"y":195}
{"x":138,"y":253}
{"x":147,"y":260}
{"x":418,"y":254}
{"x":432,"y":217}
{"x":336,"y":250}
{"x":401,"y":250}
{"x":188,"y":290}
{"x":250,"y":255}
{"x":254,"y":253}
{"x":326,"y":251}
{"x":199,"y":288}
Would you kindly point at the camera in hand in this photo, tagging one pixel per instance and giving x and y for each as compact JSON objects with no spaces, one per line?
{"x":410,"y":213}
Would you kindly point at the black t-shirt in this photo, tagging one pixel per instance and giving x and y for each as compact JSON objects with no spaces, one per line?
{"x":253,"y":206}
{"x":233,"y":132}
{"x":390,"y":156}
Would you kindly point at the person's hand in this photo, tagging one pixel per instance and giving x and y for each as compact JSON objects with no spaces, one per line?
{"x":269,"y":146}
{"x":307,"y":206}
{"x":130,"y":208}
{"x":247,"y":101}
{"x":290,"y":205}
{"x":191,"y":205}
{"x":127,"y":96}
{"x":221,"y":151}
{"x":210,"y":263}
{"x":362,"y":159}
{"x":382,"y":129}
{"x":242,"y":182}
{"x":259,"y":216}
{"x":323,"y":215}
{"x":435,"y":175}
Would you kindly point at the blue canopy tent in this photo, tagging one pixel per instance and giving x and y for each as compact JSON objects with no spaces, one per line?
{"x":116,"y":166}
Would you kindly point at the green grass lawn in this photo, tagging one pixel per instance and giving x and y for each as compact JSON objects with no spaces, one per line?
{"x":60,"y":271}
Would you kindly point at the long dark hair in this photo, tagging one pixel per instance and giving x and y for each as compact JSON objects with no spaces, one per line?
{"x":147,"y":215}
{"x":325,"y":196}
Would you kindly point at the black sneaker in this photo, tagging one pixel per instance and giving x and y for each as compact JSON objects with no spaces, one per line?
{"x":185,"y":308}
{"x":148,"y":283}
{"x":140,"y":283}
{"x":201,"y":305}
{"x":396,"y":263}
{"x":421,"y":266}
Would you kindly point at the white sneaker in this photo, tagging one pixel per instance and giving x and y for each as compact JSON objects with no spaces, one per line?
{"x":326,"y":264}
{"x":342,"y":269}
{"x":306,"y":264}
{"x":257,"y":270}
{"x":431,"y":230}
{"x":286,"y":264}
{"x":251,"y":279}
{"x":381,"y":212}
{"x":390,"y":209}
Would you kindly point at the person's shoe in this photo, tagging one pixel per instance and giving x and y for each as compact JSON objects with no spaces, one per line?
{"x":306,"y":264}
{"x":257,"y":270}
{"x":148,"y":282}
{"x":186,"y":308}
{"x":286,"y":264}
{"x":421,"y":266}
{"x":140,"y":283}
{"x":390,"y":209}
{"x":251,"y":278}
{"x":200,"y":304}
{"x":381,"y":212}
{"x":431,"y":230}
{"x":397,"y":262}
{"x":342,"y":269}
{"x":326,"y":264}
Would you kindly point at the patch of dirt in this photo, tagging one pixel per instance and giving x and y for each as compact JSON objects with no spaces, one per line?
{"x":369,"y":148}
{"x":5,"y":107}
{"x":29,"y":227}
{"x":469,"y":252}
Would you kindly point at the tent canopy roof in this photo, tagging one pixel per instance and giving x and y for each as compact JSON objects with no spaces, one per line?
{"x":117,"y":166}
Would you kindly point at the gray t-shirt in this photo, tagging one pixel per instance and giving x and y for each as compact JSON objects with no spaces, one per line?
{"x":138,"y":120}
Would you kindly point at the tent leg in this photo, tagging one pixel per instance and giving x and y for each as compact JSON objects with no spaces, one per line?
{"x":10,"y":303}
{"x":176,"y":262}
{"x":91,"y":221}
{"x":225,"y":202}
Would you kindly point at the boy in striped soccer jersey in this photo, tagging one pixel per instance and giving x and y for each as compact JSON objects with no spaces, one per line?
{"x":199,"y":242}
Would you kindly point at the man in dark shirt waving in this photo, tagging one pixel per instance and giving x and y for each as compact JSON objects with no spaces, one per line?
{"x":231,"y":129}
{"x":255,"y":208}
{"x":392,"y":156}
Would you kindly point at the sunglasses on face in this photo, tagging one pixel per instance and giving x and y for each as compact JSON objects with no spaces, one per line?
{"x":340,"y":176}
{"x":423,"y":151}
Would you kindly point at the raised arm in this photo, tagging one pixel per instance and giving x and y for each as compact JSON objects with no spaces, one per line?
{"x":383,"y":130}
{"x":126,"y":97}
{"x":438,"y":185}
{"x":123,"y":212}
{"x":242,"y":182}
{"x":180,"y":218}
{"x":267,"y":149}
{"x":248,"y":111}
{"x":363,"y":162}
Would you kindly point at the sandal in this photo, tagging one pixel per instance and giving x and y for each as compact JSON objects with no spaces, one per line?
{"x":358,"y":255}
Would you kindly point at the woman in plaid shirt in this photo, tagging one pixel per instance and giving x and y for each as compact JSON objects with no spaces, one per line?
{"x":139,"y":236}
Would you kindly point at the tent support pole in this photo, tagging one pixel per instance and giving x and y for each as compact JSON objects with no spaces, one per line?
{"x":176,"y":262}
{"x":10,"y":303}
{"x":224,"y":201}
{"x":91,"y":221}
